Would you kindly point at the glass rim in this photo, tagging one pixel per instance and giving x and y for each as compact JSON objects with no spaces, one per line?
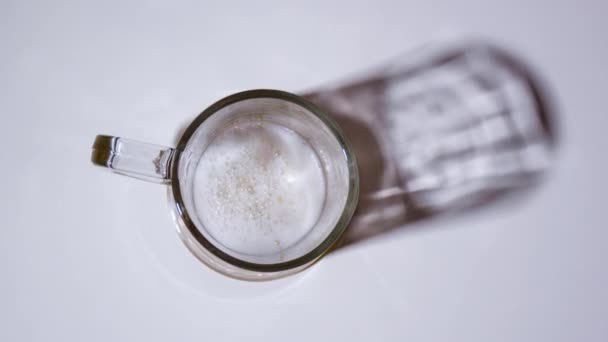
{"x":349,"y":206}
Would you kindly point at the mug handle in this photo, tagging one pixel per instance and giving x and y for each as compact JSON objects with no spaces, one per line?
{"x":133,"y":158}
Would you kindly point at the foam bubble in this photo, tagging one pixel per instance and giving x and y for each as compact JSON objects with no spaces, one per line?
{"x":259,"y":188}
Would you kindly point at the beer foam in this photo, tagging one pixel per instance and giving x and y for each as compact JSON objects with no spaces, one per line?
{"x":259,"y":188}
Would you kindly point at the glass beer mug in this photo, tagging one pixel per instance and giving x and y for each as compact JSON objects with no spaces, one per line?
{"x":263,"y":183}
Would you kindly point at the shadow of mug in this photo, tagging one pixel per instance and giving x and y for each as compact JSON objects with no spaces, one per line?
{"x":451,"y":127}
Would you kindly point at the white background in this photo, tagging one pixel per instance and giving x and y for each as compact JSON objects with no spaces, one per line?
{"x":86,"y":255}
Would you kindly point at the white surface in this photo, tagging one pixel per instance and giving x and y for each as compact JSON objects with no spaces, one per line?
{"x":88,"y":255}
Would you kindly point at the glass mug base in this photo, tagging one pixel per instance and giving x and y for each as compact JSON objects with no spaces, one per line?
{"x":262,"y":183}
